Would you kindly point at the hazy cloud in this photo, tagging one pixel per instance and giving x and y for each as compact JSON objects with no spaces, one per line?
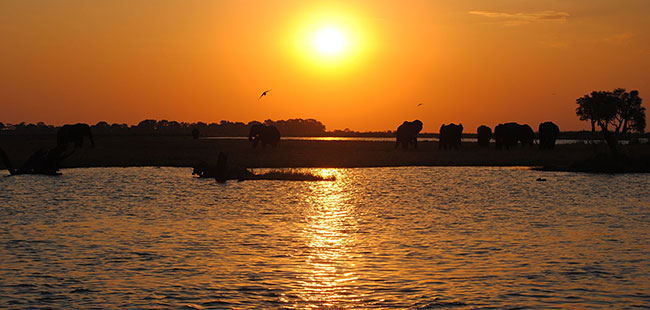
{"x":555,"y":44}
{"x":619,"y":39}
{"x":513,"y":19}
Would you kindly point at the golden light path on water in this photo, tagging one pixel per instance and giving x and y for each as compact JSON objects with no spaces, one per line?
{"x":328,"y":278}
{"x":376,"y":238}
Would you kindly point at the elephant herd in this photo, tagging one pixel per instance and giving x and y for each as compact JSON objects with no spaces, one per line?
{"x":505,"y":135}
{"x":511,"y":134}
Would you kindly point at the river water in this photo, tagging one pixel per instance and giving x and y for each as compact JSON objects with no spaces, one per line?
{"x":388,"y":238}
{"x":423,"y":139}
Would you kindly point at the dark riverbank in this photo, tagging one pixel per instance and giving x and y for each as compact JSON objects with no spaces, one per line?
{"x":180,"y":151}
{"x":605,"y":163}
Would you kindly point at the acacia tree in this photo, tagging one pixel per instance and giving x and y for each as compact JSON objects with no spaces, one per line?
{"x":618,"y":110}
{"x":631,"y":115}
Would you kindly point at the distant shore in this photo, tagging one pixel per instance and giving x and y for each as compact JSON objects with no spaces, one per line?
{"x":182,"y":151}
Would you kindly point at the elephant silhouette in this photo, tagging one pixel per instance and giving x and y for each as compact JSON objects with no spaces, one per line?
{"x":43,"y":161}
{"x":450,"y":136}
{"x":266,"y":134}
{"x":510,"y":134}
{"x":73,"y":134}
{"x":222,"y":172}
{"x":407,"y":133}
{"x":548,"y":133}
{"x":204,"y":170}
{"x":483,"y":135}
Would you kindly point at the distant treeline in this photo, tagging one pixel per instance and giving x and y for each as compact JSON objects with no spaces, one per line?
{"x":288,"y":128}
{"x":291,"y":127}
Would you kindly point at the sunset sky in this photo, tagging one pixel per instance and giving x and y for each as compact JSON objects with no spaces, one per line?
{"x":362,"y":65}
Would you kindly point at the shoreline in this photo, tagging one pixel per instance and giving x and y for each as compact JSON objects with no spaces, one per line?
{"x":180,"y":151}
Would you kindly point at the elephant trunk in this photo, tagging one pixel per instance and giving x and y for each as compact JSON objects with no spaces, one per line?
{"x":251,"y":135}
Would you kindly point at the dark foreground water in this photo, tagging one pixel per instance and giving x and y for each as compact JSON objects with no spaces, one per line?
{"x":390,"y":238}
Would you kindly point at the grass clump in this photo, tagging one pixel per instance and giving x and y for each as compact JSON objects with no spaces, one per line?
{"x":292,"y":175}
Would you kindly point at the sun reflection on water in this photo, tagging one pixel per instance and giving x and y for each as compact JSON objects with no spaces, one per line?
{"x":327,"y":277}
{"x":328,"y":173}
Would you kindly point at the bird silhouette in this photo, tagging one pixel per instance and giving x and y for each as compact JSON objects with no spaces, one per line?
{"x":263,"y":94}
{"x":420,"y":104}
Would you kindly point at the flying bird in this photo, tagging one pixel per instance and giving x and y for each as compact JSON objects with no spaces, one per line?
{"x":420,"y":104}
{"x":263,"y":94}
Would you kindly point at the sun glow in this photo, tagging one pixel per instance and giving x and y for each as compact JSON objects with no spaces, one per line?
{"x":330,"y":41}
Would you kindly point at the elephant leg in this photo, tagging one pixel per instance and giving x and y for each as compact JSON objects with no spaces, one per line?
{"x":7,"y":162}
{"x":33,"y":163}
{"x":221,"y":174}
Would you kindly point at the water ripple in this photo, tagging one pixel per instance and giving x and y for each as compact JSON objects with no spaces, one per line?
{"x":401,"y":238}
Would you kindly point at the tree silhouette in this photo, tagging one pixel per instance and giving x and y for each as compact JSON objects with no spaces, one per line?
{"x":619,"y":109}
{"x":147,"y":125}
{"x":631,"y":115}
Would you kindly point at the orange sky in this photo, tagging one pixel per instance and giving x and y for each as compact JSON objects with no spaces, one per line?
{"x":471,"y":61}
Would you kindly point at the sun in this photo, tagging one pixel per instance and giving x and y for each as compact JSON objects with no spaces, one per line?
{"x":329,"y":41}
